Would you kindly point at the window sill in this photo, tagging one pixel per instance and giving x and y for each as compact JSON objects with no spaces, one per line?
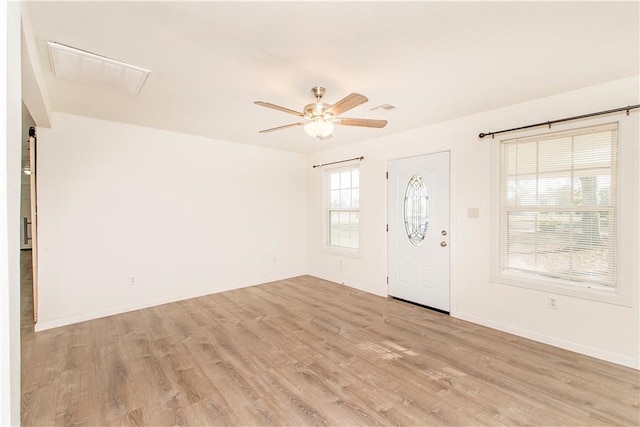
{"x":338,"y":251}
{"x":583,"y":291}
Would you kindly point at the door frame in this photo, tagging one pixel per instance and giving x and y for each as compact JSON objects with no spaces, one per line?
{"x":33,"y":188}
{"x":453,"y":228}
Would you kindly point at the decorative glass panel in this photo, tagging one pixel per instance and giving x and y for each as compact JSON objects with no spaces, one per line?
{"x":416,"y":210}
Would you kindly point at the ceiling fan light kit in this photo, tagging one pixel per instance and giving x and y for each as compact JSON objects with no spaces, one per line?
{"x":321,"y":118}
{"x":319,"y":127}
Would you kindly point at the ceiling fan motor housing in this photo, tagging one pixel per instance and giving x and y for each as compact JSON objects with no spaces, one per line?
{"x":316,"y":109}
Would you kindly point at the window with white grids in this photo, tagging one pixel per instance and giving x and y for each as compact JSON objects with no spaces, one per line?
{"x":344,"y":207}
{"x":559,"y":207}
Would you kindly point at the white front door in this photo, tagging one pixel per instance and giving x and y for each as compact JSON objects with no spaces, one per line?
{"x":418,"y":239}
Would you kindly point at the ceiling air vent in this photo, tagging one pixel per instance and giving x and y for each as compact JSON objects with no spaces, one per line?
{"x":81,"y":66}
{"x":383,"y":107}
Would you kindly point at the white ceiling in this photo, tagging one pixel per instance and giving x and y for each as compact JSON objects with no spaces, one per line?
{"x":433,"y":60}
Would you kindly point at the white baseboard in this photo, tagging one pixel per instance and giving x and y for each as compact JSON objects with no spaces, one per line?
{"x":69,"y":320}
{"x":619,"y":359}
{"x":349,"y":284}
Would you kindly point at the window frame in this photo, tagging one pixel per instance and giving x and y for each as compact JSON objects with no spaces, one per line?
{"x":626,"y":251}
{"x":326,"y":207}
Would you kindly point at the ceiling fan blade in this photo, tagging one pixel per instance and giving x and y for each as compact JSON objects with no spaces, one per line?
{"x":279,"y":108}
{"x":347,"y":103}
{"x":369,"y":123}
{"x":282,"y":127}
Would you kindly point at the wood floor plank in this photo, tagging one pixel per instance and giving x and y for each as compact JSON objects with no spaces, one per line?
{"x":305,"y":351}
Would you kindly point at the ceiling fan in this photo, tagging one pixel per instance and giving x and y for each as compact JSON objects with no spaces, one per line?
{"x":320,"y":118}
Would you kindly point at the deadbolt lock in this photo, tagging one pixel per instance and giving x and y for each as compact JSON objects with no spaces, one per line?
{"x":443,"y":243}
{"x":444,"y":232}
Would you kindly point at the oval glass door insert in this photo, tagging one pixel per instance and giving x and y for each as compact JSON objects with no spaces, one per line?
{"x":416,"y":210}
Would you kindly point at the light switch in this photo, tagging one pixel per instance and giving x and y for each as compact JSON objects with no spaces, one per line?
{"x":473,"y":213}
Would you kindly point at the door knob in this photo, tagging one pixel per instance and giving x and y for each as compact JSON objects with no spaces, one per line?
{"x":444,"y":232}
{"x":443,"y":243}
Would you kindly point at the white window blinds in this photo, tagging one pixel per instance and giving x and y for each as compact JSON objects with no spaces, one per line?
{"x":559,"y":206}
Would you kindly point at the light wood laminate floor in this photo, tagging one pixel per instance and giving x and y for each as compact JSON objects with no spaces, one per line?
{"x":306,"y":351}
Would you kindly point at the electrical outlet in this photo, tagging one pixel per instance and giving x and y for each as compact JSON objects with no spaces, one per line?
{"x":553,"y":303}
{"x":132,"y":281}
{"x":341,"y":265}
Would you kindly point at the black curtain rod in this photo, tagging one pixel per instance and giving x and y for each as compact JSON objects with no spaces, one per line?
{"x":339,"y":161}
{"x":549,"y":123}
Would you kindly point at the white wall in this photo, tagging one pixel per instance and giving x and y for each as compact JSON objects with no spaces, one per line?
{"x":183,"y":215}
{"x":10,"y":124}
{"x":602,"y":330}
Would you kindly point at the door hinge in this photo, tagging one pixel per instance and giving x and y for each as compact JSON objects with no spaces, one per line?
{"x":387,"y":227}
{"x":387,"y":175}
{"x":387,"y":280}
